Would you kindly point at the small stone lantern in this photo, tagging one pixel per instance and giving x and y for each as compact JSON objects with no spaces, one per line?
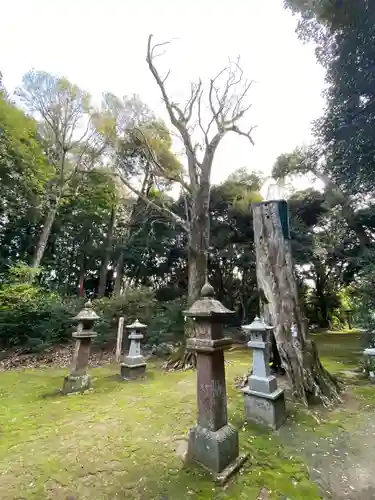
{"x":134,"y":364}
{"x":369,"y":357}
{"x":78,"y":380}
{"x":212,"y":442}
{"x":264,"y":402}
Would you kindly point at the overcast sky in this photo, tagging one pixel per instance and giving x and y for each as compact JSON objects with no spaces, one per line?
{"x":101,"y":45}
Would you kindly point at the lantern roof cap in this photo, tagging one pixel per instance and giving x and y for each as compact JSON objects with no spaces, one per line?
{"x":258,"y":325}
{"x":137,"y":325}
{"x":87,"y":313}
{"x":207,"y":306}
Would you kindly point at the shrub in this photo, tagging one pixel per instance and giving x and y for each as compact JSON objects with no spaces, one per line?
{"x":35,"y":319}
{"x":164,"y":320}
{"x":32,"y":318}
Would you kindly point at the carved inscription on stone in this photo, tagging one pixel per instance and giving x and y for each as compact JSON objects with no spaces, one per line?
{"x":214,"y":389}
{"x":263,"y":405}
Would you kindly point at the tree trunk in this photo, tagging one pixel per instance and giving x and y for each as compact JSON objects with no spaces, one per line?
{"x":82,"y":273}
{"x":197,"y":273}
{"x":43,"y":238}
{"x":197,"y":265}
{"x":280,"y":308}
{"x":321,"y":297}
{"x":119,"y":274}
{"x":107,"y":254}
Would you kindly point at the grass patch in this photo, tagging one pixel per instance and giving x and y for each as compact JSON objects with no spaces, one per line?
{"x":121,"y":440}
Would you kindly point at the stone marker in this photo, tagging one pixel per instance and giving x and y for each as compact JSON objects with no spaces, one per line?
{"x":264,"y":402}
{"x":78,"y":380}
{"x":212,"y":442}
{"x":134,"y":364}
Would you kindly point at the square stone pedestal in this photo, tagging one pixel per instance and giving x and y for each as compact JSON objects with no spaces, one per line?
{"x":133,"y":368}
{"x":132,"y":372}
{"x":214,"y":450}
{"x":265,"y":409}
{"x":76,"y":383}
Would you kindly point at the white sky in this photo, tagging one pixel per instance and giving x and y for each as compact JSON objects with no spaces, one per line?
{"x":101,"y":45}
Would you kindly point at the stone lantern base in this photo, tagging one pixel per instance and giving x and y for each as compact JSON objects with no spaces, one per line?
{"x":133,"y":367}
{"x":265,"y":409}
{"x":217,"y":452}
{"x":76,"y":383}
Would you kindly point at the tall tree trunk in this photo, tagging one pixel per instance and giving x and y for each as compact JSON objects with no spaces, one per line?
{"x":81,"y":279}
{"x":199,"y":238}
{"x":119,"y":274}
{"x":199,"y":241}
{"x":197,"y":263}
{"x":107,"y":254}
{"x":43,"y":238}
{"x":280,"y":308}
{"x":321,"y":299}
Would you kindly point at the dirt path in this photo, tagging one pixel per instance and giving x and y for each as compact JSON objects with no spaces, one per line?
{"x":343,"y":463}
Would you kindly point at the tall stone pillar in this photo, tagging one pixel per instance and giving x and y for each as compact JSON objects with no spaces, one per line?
{"x":264,"y":402}
{"x":134,"y":365}
{"x":213,"y":442}
{"x":79,"y":380}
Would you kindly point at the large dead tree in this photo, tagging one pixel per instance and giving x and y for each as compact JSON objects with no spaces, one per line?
{"x":280,"y":306}
{"x":208,"y":115}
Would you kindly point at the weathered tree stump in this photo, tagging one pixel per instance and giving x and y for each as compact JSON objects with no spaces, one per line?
{"x":280,"y":305}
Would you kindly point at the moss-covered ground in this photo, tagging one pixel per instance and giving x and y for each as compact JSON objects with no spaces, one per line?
{"x":122,"y":440}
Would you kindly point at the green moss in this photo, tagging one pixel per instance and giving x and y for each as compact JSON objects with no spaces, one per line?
{"x":120,"y":440}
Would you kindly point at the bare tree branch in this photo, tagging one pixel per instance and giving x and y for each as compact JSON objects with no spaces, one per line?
{"x":160,"y":208}
{"x":178,"y":120}
{"x":161,"y":170}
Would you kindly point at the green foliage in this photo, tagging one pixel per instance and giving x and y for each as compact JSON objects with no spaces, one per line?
{"x":80,"y":226}
{"x":363,"y":301}
{"x":31,"y":317}
{"x":164,"y":320}
{"x":24,"y":172}
{"x":344,"y":35}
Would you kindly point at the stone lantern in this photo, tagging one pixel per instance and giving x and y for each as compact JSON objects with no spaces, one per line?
{"x":78,"y":380}
{"x":134,"y":364}
{"x":264,"y":402}
{"x":212,"y":442}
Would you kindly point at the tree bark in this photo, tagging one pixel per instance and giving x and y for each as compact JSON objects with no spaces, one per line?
{"x":107,"y":254}
{"x":199,"y":235}
{"x":119,"y":274}
{"x":321,"y":298}
{"x":280,"y":308}
{"x":81,"y":279}
{"x":197,"y":260}
{"x":43,"y":238}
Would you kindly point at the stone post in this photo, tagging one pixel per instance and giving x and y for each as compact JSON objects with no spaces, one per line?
{"x":264,"y":402}
{"x":78,"y":380}
{"x":212,"y":442}
{"x":134,"y":364}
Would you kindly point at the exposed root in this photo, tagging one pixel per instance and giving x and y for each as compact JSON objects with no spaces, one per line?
{"x":181,"y":360}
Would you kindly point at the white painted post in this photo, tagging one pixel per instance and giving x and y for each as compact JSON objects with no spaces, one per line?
{"x":120,"y":331}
